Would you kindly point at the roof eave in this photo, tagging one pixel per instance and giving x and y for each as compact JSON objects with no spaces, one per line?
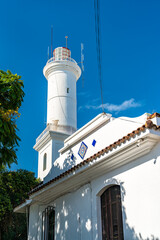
{"x":22,"y":207}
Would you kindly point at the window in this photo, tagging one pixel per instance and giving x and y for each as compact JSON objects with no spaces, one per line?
{"x":67,"y":90}
{"x":111,"y":214}
{"x":44,"y":161}
{"x":48,"y":223}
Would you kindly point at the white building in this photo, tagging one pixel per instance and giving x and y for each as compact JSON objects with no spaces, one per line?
{"x":100,"y":182}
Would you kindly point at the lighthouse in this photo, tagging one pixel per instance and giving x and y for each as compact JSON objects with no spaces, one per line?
{"x":62,"y":73}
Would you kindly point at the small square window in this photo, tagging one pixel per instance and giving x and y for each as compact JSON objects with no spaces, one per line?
{"x":67,"y":90}
{"x":94,"y":143}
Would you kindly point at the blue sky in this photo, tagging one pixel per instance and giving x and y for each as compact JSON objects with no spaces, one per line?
{"x":130,"y":37}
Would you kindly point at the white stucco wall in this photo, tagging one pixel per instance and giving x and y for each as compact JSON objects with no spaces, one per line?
{"x":62,"y":105}
{"x":34,"y":222}
{"x":72,"y":216}
{"x":48,"y":150}
{"x":139,"y":181}
{"x":51,"y":149}
{"x":106,"y":134}
{"x":78,"y":214}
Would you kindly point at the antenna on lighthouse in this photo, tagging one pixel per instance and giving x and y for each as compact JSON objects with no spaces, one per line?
{"x":51,"y":40}
{"x":82,"y":63}
{"x":66,"y":37}
{"x":48,"y":53}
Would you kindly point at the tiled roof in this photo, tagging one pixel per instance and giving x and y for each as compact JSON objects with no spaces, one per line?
{"x":154,"y":115}
{"x":148,"y":125}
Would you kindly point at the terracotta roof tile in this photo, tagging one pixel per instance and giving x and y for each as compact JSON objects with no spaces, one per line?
{"x":154,"y":115}
{"x":148,"y":125}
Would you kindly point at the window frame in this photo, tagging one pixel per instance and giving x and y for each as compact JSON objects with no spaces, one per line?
{"x":46,"y":224}
{"x":108,"y":202}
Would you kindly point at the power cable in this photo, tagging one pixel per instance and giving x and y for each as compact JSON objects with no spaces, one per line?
{"x":98,"y":45}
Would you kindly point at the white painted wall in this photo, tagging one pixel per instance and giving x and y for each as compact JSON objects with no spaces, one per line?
{"x":56,"y":145}
{"x":34,"y":223}
{"x":51,"y":149}
{"x":49,"y":144}
{"x":78,"y":213}
{"x":139,"y":181}
{"x":72,"y":216}
{"x":62,"y":106}
{"x":107,"y":133}
{"x":48,"y":150}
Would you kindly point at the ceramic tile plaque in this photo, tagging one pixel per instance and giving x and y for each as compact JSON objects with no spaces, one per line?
{"x":82,"y":150}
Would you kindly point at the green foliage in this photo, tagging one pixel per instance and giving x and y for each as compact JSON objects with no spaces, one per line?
{"x":14,"y":188}
{"x":11,"y":97}
{"x":16,"y":229}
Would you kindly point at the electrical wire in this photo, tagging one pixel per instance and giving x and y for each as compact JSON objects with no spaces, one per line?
{"x":98,"y":45}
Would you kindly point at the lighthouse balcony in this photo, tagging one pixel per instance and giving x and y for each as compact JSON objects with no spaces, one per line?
{"x":61,"y":58}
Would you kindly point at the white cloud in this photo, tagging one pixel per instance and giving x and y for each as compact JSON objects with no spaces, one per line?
{"x":83,"y":94}
{"x":131,"y":103}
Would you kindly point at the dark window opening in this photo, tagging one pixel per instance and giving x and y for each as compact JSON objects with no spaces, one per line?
{"x":111,"y":214}
{"x":67,"y":90}
{"x":45,"y":161}
{"x":48,"y":223}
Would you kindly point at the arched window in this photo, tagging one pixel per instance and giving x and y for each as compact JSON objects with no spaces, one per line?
{"x":44,"y":161}
{"x":111,"y":214}
{"x":48,"y":223}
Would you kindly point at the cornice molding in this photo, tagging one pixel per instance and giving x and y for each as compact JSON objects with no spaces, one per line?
{"x":48,"y":136}
{"x":54,"y":66}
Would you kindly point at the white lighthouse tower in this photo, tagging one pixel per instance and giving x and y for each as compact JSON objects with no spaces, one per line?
{"x":62,"y":72}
